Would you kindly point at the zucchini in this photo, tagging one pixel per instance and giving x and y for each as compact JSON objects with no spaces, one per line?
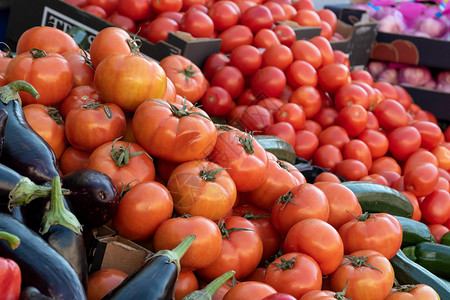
{"x":432,"y":256}
{"x":409,"y":272}
{"x":377,"y":198}
{"x":445,"y":239}
{"x":279,"y":147}
{"x":414,"y":232}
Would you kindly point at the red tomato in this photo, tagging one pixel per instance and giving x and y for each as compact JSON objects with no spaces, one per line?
{"x":234,"y":36}
{"x":241,"y":249}
{"x":372,"y":121}
{"x":246,"y":58}
{"x":72,"y":160}
{"x":142,"y":209}
{"x":202,"y":188}
{"x":186,"y":283}
{"x":317,"y":239}
{"x":282,"y":177}
{"x":302,"y":202}
{"x":126,"y":163}
{"x":381,"y":232}
{"x":308,"y":98}
{"x":108,"y":5}
{"x":387,"y":89}
{"x":272,"y":104}
{"x":334,"y":135}
{"x":197,"y":23}
{"x":326,"y":32}
{"x":265,"y":38}
{"x":331,"y":77}
{"x":261,"y":219}
{"x":48,"y":39}
{"x":83,"y":74}
{"x":306,"y":143}
{"x":279,"y":296}
{"x":341,"y":58}
{"x":376,"y":141}
{"x":285,"y":33}
{"x":327,"y":156}
{"x":48,"y":123}
{"x":325,"y":49}
{"x":268,"y":81}
{"x":349,"y":94}
{"x":231,"y":79}
{"x":301,"y":73}
{"x":313,"y":126}
{"x":326,"y":116}
{"x":328,"y":16}
{"x":421,"y":179}
{"x":277,"y":11}
{"x":213,"y":63}
{"x":307,"y":17}
{"x":122,"y":21}
{"x":291,"y":113}
{"x":442,"y":154}
{"x":403,"y":141}
{"x":145,"y":79}
{"x":249,"y":290}
{"x":294,"y":273}
{"x":134,"y":9}
{"x":385,"y":163}
{"x":256,"y":118}
{"x":307,"y":51}
{"x":353,"y":118}
{"x":91,"y":125}
{"x":50,"y":74}
{"x":362,"y":75}
{"x":358,"y":150}
{"x":404,"y":98}
{"x":205,"y":248}
{"x":327,"y":177}
{"x":283,"y":130}
{"x":435,"y":207}
{"x":235,"y":149}
{"x":224,"y":14}
{"x":162,"y":6}
{"x":103,"y":281}
{"x":366,"y":275}
{"x":188,"y":79}
{"x":430,"y":132}
{"x":390,"y":114}
{"x":277,"y":55}
{"x":416,"y":291}
{"x":257,"y":17}
{"x":159,"y":29}
{"x":351,"y":169}
{"x":217,"y":101}
{"x":78,"y":96}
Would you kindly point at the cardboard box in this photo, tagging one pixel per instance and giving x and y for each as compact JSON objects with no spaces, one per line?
{"x":25,"y":14}
{"x":359,"y":38}
{"x":436,"y":102}
{"x":107,"y":249}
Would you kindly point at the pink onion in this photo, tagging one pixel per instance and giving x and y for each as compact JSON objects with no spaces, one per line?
{"x":392,"y":24}
{"x":443,"y":81}
{"x":376,"y":67}
{"x":388,"y":75}
{"x":433,"y":26}
{"x":415,"y":76}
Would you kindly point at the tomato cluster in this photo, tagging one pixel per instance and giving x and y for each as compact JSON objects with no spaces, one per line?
{"x":137,"y":121}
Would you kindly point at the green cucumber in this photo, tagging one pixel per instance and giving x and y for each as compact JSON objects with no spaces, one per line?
{"x":414,"y":232}
{"x":409,"y":272}
{"x":376,"y":198}
{"x":432,"y":256}
{"x":445,"y":239}
{"x":279,"y":147}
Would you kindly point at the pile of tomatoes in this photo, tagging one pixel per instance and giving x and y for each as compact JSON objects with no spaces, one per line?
{"x":137,"y":120}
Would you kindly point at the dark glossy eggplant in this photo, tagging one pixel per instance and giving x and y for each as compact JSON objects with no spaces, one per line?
{"x":32,"y":293}
{"x":156,"y":279}
{"x":31,"y":156}
{"x":311,"y":171}
{"x":93,"y":196}
{"x":41,"y":266}
{"x":3,"y":118}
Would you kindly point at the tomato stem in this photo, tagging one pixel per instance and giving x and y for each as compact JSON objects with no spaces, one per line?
{"x":134,"y":45}
{"x":283,"y":165}
{"x":95,"y":105}
{"x":359,"y":262}
{"x":210,"y":175}
{"x":122,"y":155}
{"x":405,"y":288}
{"x":54,"y":114}
{"x":224,"y":127}
{"x":247,"y":143}
{"x":187,"y":72}
{"x":37,"y":53}
{"x":285,"y":264}
{"x":12,"y":240}
{"x":9,"y":54}
{"x":250,"y":215}
{"x":285,"y":199}
{"x":226,"y":232}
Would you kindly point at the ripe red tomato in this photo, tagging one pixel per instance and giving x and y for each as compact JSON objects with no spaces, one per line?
{"x":186,"y":283}
{"x":83,"y":74}
{"x":277,"y":55}
{"x":421,"y":179}
{"x":235,"y":149}
{"x":300,"y":73}
{"x":307,"y":17}
{"x":387,"y":89}
{"x":246,"y":58}
{"x":78,"y":96}
{"x":48,"y":39}
{"x":366,"y":275}
{"x":301,"y":202}
{"x":349,"y":94}
{"x":317,"y":239}
{"x":353,"y":118}
{"x":145,"y":79}
{"x":351,"y":169}
{"x":249,"y":290}
{"x":334,"y":135}
{"x":328,"y":16}
{"x":294,"y":273}
{"x":325,"y":49}
{"x":326,"y":116}
{"x":122,"y":22}
{"x":202,"y":188}
{"x":256,"y":118}
{"x":332,"y":76}
{"x":214,"y":62}
{"x":283,"y":130}
{"x":188,"y":79}
{"x":134,"y":9}
{"x":72,"y":160}
{"x":285,"y":33}
{"x":159,"y":28}
{"x":417,"y":291}
{"x":142,"y":209}
{"x":197,"y":23}
{"x":306,"y":143}
{"x":327,"y":156}
{"x":234,"y":36}
{"x":435,"y":207}
{"x":376,"y":141}
{"x":358,"y":150}
{"x":268,"y":82}
{"x":403,"y":141}
{"x":217,"y":101}
{"x":224,"y":14}
{"x":108,"y":5}
{"x":231,"y":79}
{"x":103,"y":281}
{"x":50,"y":74}
{"x":277,"y":11}
{"x":381,"y":232}
{"x":91,"y":125}
{"x":291,"y":113}
{"x":430,"y":132}
{"x":265,"y":38}
{"x":307,"y":51}
{"x":390,"y":114}
{"x":205,"y":248}
{"x":257,"y":17}
{"x":241,"y":249}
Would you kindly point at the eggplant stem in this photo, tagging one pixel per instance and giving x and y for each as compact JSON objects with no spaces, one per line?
{"x":12,"y":240}
{"x":177,"y":253}
{"x":26,"y":191}
{"x":11,"y":91}
{"x":211,"y":288}
{"x":58,"y":214}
